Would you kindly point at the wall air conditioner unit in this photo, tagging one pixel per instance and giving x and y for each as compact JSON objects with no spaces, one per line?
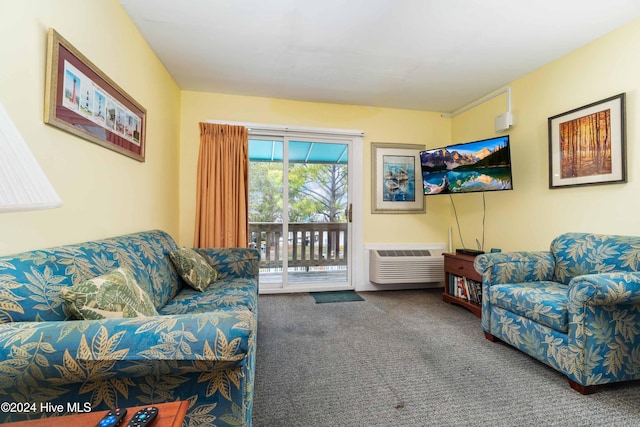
{"x":406,"y":266}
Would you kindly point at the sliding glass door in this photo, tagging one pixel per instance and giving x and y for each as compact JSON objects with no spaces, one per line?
{"x":299,"y":211}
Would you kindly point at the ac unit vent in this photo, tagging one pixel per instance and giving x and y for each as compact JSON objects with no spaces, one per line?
{"x":406,"y":252}
{"x":406,"y":266}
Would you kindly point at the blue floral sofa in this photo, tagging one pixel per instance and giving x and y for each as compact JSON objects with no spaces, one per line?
{"x":575,"y":307}
{"x":200,"y":348}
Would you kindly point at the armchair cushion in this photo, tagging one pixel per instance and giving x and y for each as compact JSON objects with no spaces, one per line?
{"x":543,"y":302}
{"x":577,"y":254}
{"x":112,"y":295}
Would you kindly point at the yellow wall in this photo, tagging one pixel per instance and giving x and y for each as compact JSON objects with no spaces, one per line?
{"x":531,"y":215}
{"x":527,"y":217}
{"x":104,"y":193}
{"x":378,"y":124}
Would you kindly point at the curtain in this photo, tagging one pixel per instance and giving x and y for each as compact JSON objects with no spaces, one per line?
{"x":222,"y":200}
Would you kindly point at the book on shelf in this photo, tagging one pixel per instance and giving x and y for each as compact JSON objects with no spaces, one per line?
{"x":465,"y":288}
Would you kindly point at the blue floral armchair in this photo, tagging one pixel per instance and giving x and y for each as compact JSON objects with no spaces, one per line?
{"x":200,"y":348}
{"x":575,"y":307}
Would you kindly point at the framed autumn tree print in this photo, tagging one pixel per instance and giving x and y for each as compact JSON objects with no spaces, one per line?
{"x":587,"y":145}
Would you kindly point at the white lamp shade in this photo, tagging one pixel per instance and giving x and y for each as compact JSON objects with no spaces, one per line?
{"x":23,"y":184}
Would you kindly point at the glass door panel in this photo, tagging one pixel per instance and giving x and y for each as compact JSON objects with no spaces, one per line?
{"x":318,"y":200}
{"x":266,"y":218}
{"x":298,"y":212}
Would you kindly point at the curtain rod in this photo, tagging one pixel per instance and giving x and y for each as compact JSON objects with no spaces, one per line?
{"x":481,"y":101}
{"x":257,"y":127}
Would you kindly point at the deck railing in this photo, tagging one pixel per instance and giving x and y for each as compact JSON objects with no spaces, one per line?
{"x":307,"y":244}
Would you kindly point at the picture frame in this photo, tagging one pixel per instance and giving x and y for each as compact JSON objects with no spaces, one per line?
{"x":82,"y":100}
{"x":396,"y":187}
{"x":587,"y":145}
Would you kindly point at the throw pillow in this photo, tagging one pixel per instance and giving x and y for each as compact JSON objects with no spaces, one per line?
{"x":112,"y":295}
{"x":193,"y":268}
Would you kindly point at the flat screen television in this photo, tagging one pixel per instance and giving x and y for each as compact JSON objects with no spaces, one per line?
{"x":467,"y":168}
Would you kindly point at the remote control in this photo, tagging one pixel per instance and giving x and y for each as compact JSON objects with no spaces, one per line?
{"x":143,"y":417}
{"x":112,"y":418}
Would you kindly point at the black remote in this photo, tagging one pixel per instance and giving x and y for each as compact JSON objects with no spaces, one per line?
{"x":143,"y":417}
{"x":113,"y":418}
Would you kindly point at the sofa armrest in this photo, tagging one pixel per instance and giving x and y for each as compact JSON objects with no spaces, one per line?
{"x":616,"y":288}
{"x":65,"y":352}
{"x":514,"y":267}
{"x":233,"y":262}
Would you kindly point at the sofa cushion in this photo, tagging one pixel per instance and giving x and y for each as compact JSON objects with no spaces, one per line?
{"x":152,"y":249}
{"x":193,"y":268}
{"x":543,"y":302}
{"x":232,"y":292}
{"x":113,"y":295}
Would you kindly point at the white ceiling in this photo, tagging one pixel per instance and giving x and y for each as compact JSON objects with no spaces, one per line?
{"x":433,"y":55}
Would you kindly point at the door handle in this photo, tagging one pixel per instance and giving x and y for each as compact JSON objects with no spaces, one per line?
{"x":350,"y":212}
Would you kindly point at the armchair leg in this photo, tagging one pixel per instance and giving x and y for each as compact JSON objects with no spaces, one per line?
{"x":490,"y":337}
{"x":583,"y":389}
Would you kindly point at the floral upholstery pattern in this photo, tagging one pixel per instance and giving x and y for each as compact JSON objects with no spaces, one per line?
{"x":202,"y":351}
{"x":580,"y":254}
{"x":226,"y":293}
{"x":115,"y":294}
{"x":193,"y":268}
{"x":32,"y":280}
{"x":575,"y":307}
{"x":544,"y":302}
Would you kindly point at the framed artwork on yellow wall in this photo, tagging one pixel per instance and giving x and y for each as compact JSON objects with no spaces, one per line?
{"x":397,"y":178}
{"x":82,"y":100}
{"x":587,"y":145}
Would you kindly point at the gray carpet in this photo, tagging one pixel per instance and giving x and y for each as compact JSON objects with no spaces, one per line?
{"x":405,"y":358}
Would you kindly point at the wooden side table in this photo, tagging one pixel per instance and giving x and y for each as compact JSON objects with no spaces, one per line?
{"x":460,"y":266}
{"x":169,"y":415}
